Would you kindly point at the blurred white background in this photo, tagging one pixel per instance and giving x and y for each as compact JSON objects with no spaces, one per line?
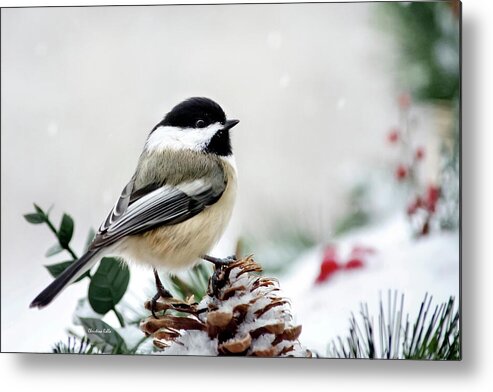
{"x":81,"y":88}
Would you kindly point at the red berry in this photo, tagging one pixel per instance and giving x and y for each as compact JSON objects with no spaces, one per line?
{"x":320,"y":278}
{"x":354,"y":264}
{"x":401,"y":172}
{"x":420,"y":153}
{"x":327,"y":269}
{"x":329,"y":266}
{"x":393,"y":135}
{"x":404,"y":100}
{"x":432,"y":196}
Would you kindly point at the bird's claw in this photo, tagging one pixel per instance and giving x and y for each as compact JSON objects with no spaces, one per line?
{"x":154,"y":304}
{"x":161,"y":293}
{"x":218,"y":262}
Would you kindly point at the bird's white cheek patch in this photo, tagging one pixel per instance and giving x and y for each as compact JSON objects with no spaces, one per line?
{"x":181,"y":138}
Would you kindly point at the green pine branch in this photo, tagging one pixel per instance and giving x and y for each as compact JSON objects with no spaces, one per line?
{"x":76,"y":346}
{"x":432,"y":335}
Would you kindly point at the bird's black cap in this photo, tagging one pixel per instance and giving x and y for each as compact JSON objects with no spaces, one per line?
{"x":187,"y":113}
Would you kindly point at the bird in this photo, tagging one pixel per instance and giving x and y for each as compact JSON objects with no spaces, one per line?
{"x":176,"y":205}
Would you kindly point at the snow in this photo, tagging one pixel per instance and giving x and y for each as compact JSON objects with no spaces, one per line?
{"x":411,"y":266}
{"x":131,"y":334}
{"x":192,"y":343}
{"x":263,"y":342}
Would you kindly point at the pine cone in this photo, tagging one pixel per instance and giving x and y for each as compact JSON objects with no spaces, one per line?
{"x":242,"y":314}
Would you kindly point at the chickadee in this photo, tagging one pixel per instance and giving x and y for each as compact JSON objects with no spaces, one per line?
{"x":176,"y":205}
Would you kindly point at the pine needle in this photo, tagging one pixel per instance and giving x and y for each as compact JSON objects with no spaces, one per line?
{"x":435,"y":337}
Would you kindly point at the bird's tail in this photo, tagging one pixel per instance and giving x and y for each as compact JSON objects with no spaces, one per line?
{"x":72,"y":273}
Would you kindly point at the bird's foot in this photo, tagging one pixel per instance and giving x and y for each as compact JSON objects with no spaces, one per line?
{"x":218,"y":262}
{"x":161,"y":293}
{"x":222,"y":268}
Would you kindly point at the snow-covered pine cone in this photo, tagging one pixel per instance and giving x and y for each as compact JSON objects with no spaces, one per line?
{"x":242,"y":314}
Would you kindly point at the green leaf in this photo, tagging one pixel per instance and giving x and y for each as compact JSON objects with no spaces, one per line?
{"x":104,"y":336}
{"x":38,"y":209}
{"x":66,"y":230}
{"x":90,"y":237}
{"x":54,"y":250}
{"x":35,"y":218}
{"x":108,"y":285}
{"x":56,"y":269}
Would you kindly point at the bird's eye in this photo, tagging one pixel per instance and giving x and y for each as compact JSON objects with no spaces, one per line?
{"x":200,"y":124}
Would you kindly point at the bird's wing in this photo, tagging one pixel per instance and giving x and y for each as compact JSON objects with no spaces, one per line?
{"x":140,"y":210}
{"x":120,"y":206}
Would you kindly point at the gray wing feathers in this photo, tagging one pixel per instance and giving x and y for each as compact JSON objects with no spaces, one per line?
{"x":165,"y":205}
{"x":120,"y":206}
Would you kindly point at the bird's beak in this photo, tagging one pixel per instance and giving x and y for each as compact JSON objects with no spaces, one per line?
{"x":230,"y":124}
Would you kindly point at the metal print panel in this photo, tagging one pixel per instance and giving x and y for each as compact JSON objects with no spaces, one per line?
{"x":276,"y":180}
